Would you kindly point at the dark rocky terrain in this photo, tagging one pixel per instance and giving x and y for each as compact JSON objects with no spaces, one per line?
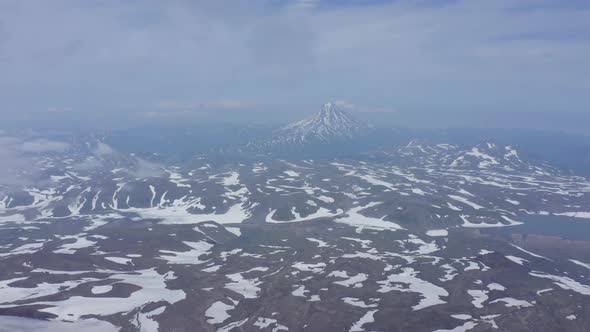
{"x":397,"y":239}
{"x":424,"y":236}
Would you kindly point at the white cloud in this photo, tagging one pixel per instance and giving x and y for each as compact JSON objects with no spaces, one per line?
{"x":349,"y":106}
{"x":103,"y":150}
{"x":461,"y":53}
{"x":146,"y":169}
{"x":305,"y":4}
{"x":44,"y":145}
{"x":228,"y":104}
{"x":17,"y":166}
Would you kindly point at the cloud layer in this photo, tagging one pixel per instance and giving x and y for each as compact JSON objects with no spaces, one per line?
{"x":90,"y":59}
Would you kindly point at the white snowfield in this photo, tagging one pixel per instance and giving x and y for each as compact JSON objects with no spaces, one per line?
{"x":367,"y":318}
{"x":431,"y":294}
{"x":355,"y":219}
{"x":152,"y":289}
{"x":437,"y":232}
{"x":584,"y":215}
{"x":217,"y":312}
{"x":192,"y":256}
{"x":564,"y":282}
{"x":248,"y":288}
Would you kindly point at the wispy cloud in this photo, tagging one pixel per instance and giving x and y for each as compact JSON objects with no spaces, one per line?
{"x":19,"y":157}
{"x":102,"y":154}
{"x":349,"y":106}
{"x":227,"y":104}
{"x":304,"y":4}
{"x":172,"y":109}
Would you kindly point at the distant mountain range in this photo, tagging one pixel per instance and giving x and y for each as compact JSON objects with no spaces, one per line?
{"x":333,"y":132}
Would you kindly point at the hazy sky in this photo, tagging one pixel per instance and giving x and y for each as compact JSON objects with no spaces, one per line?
{"x":151,"y":60}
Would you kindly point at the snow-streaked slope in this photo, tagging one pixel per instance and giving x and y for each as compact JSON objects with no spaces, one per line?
{"x":329,"y":124}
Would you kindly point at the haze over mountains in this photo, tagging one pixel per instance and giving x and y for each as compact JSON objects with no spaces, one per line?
{"x":332,"y":132}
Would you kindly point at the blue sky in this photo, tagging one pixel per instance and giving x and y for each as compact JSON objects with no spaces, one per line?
{"x":151,"y":60}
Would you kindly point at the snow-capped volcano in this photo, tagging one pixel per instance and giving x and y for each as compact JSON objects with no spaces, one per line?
{"x":330,"y":124}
